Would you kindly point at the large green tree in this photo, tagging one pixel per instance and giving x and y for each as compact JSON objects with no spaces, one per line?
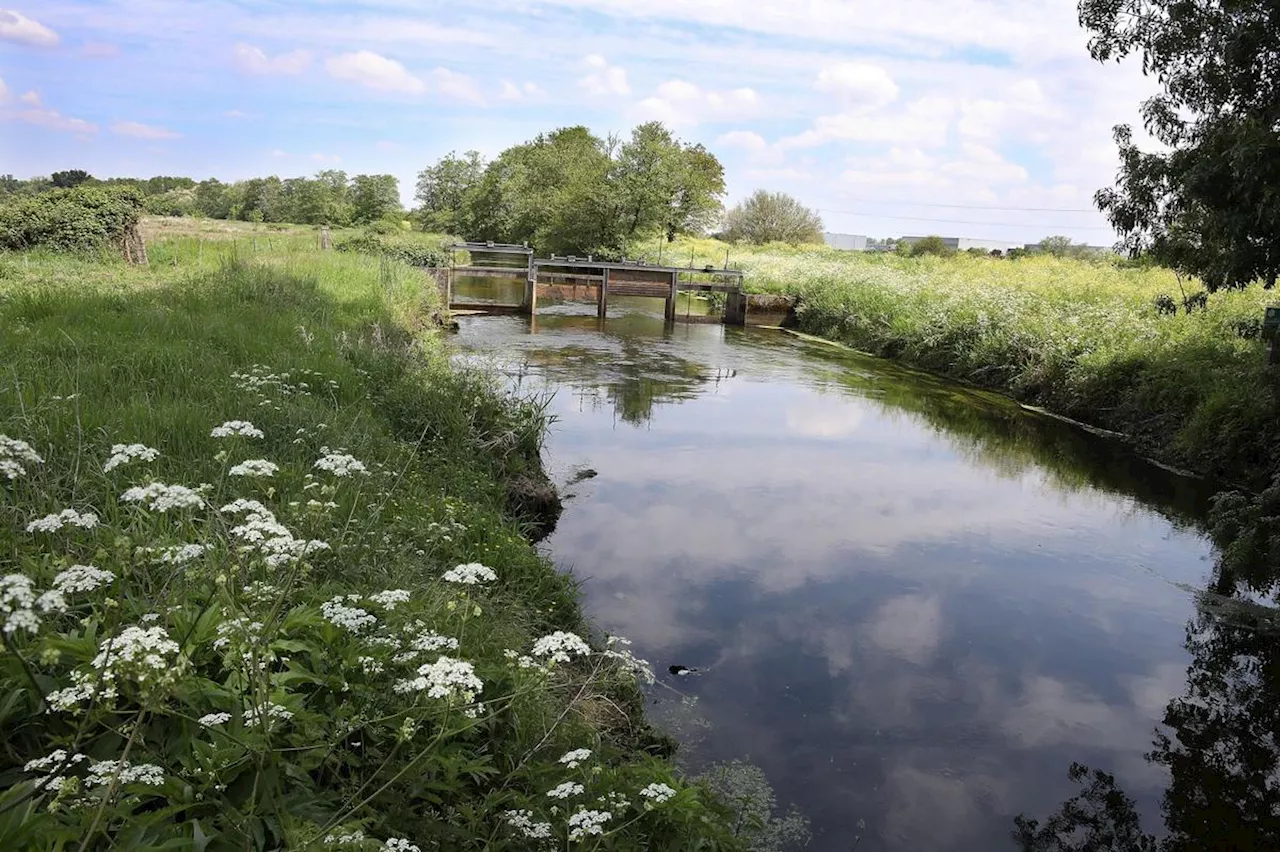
{"x":1209,"y":205}
{"x":768,"y":217}
{"x":443,"y":189}
{"x":373,"y":197}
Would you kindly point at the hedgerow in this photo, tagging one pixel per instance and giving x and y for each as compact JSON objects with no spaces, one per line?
{"x":85,"y":218}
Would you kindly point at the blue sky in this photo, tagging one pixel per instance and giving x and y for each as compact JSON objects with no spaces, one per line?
{"x":981,"y":118}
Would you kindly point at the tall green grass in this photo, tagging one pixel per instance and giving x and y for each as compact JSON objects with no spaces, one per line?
{"x":277,"y":706}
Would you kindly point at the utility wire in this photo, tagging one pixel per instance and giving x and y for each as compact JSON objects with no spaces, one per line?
{"x":969,"y":206}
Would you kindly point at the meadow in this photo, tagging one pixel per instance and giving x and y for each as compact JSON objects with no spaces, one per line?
{"x":264,"y":584}
{"x":1082,"y":338}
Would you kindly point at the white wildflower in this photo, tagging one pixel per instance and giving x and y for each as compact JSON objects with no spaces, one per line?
{"x":81,"y":578}
{"x":233,"y":428}
{"x":254,"y":467}
{"x":126,"y":453}
{"x":429,"y":640}
{"x":470,"y":574}
{"x":254,"y":715}
{"x":242,"y":631}
{"x":161,"y":498}
{"x":566,"y":790}
{"x":399,"y":844}
{"x":51,"y":601}
{"x":340,"y":464}
{"x":212,"y":719}
{"x":181,"y":554}
{"x":629,"y":662}
{"x":657,"y":793}
{"x":350,"y":839}
{"x":142,"y":654}
{"x":13,"y":453}
{"x":351,"y":618}
{"x":573,"y":759}
{"x":390,"y":598}
{"x":17,"y":599}
{"x":586,"y":822}
{"x":560,"y":646}
{"x":67,"y":517}
{"x":522,"y":821}
{"x":105,"y":771}
{"x":242,"y":505}
{"x":447,"y":678}
{"x":370,"y":665}
{"x":66,"y":699}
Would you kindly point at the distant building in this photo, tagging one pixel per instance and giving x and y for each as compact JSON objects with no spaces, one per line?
{"x":846,"y":242}
{"x":966,"y":243}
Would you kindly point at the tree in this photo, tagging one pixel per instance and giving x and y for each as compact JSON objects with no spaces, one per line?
{"x":373,"y":197}
{"x":1210,"y":206}
{"x":768,"y":217}
{"x":443,"y":189}
{"x":70,"y":179}
{"x":1057,"y":246}
{"x":934,"y":245}
{"x":665,"y":186}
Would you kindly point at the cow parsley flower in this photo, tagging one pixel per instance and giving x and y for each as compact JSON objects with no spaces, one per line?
{"x":254,"y":467}
{"x":261,"y":531}
{"x":51,"y":601}
{"x":429,"y":640}
{"x":399,"y":844}
{"x":254,"y":716}
{"x":67,"y":517}
{"x":471,"y":574}
{"x":522,"y":821}
{"x":341,"y":614}
{"x":391,"y":598}
{"x":105,"y":771}
{"x":159,"y":497}
{"x":561,"y":646}
{"x":242,"y":505}
{"x":126,"y":453}
{"x":350,"y":839}
{"x":13,"y":453}
{"x":212,"y":719}
{"x":17,"y":600}
{"x":447,"y":678}
{"x":657,"y":793}
{"x":234,"y":428}
{"x":69,"y":698}
{"x":181,"y":554}
{"x":138,"y":653}
{"x":81,"y":578}
{"x":340,"y":464}
{"x":586,"y":822}
{"x":566,"y":790}
{"x":573,"y":759}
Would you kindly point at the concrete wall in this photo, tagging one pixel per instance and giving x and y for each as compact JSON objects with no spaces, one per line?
{"x":846,"y":242}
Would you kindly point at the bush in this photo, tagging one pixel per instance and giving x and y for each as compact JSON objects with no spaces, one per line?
{"x":81,"y":219}
{"x":411,"y":252}
{"x":931,"y":246}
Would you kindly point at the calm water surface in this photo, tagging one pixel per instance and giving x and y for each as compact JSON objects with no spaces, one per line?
{"x":912,"y":605}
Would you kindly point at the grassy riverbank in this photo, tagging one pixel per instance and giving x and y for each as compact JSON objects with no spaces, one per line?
{"x":1081,"y":338}
{"x":311,"y":668}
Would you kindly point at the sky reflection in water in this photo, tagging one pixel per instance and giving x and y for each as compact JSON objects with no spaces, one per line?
{"x":914,"y":605}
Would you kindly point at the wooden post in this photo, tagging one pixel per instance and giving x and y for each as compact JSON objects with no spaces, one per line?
{"x":602,"y":300}
{"x":670,"y":313}
{"x":326,"y":239}
{"x":531,"y":293}
{"x":735,"y":308}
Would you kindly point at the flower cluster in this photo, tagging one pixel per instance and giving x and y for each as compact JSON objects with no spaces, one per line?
{"x":391,"y":598}
{"x":82,"y":578}
{"x":351,"y":839}
{"x":340,"y":613}
{"x":67,"y":517}
{"x":560,"y":646}
{"x":339,"y":464}
{"x":236,"y":428}
{"x":212,"y":719}
{"x":261,"y":531}
{"x":657,"y":793}
{"x":105,"y":771}
{"x":255,"y":716}
{"x":243,"y":632}
{"x":573,"y":759}
{"x":13,"y":453}
{"x":522,"y":821}
{"x":636,"y":667}
{"x":254,"y":467}
{"x":426,"y":640}
{"x":399,"y":844}
{"x":446,"y":678}
{"x":19,"y":602}
{"x":587,"y":822}
{"x":126,"y":453}
{"x":181,"y":554}
{"x":471,"y":574}
{"x":159,"y":497}
{"x":566,"y":790}
{"x":262,"y":381}
{"x":137,"y":653}
{"x":52,"y":766}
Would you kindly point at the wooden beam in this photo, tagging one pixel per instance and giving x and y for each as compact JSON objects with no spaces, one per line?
{"x":602,"y":303}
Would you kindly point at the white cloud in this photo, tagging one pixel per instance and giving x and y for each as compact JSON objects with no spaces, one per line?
{"x":603,"y":78}
{"x":29,"y":109}
{"x":460,"y":87}
{"x":526,"y":91}
{"x":374,"y":71}
{"x":139,"y":130}
{"x":324,"y":158}
{"x":747,"y":140}
{"x":681,"y":103}
{"x":31,"y":98}
{"x":18,"y":28}
{"x":253,"y":60}
{"x":923,"y":122}
{"x":236,"y":113}
{"x":858,"y":84}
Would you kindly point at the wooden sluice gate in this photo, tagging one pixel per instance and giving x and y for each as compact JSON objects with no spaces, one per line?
{"x":573,"y":277}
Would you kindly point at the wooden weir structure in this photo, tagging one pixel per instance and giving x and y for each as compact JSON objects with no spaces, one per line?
{"x":589,"y":277}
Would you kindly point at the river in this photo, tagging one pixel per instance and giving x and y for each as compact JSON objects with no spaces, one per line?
{"x":912,"y":605}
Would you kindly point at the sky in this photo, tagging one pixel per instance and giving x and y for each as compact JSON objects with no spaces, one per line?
{"x":974,"y":118}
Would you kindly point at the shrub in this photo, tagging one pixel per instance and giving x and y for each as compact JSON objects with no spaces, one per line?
{"x":413,"y":253}
{"x":80,"y":219}
{"x":931,"y":245}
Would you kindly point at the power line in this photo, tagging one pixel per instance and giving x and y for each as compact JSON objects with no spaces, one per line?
{"x":969,"y":206}
{"x":966,"y":221}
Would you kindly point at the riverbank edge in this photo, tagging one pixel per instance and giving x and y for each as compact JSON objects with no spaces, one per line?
{"x":1159,"y":447}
